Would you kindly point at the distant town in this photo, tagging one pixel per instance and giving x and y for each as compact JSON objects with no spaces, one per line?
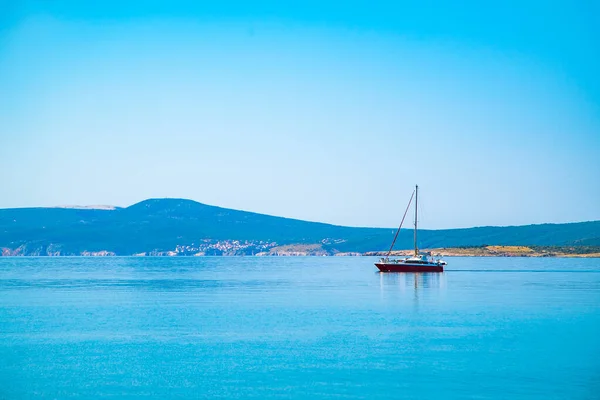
{"x":208,"y":247}
{"x":205,"y":247}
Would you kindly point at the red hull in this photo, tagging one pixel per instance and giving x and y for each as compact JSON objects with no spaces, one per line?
{"x":392,"y":267}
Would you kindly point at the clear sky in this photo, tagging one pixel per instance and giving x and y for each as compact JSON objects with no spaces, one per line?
{"x":325,"y":111}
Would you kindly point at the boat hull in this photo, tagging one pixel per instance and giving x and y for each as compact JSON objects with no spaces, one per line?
{"x":400,"y":267}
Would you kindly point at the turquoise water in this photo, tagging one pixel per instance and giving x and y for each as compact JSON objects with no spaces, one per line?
{"x":298,"y":328}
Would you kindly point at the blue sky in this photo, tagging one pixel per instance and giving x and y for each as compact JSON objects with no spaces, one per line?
{"x":326,"y":111}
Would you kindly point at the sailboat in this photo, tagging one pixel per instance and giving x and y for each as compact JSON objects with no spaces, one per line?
{"x":420,"y":261}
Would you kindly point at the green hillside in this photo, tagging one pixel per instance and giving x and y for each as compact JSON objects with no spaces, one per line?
{"x":162,"y":225}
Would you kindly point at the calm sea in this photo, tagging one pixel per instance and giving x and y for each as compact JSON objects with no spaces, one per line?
{"x":298,"y":328}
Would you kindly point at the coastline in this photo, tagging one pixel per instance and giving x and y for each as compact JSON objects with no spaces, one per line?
{"x":319,"y":251}
{"x":504,"y":251}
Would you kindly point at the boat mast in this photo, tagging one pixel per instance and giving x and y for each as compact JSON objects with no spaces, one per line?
{"x":400,"y":227}
{"x":416,"y":206}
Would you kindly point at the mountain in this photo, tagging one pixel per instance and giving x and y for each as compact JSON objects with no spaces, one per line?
{"x":179,"y":226}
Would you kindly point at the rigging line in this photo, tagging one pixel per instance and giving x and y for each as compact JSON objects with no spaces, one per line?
{"x":401,"y":222}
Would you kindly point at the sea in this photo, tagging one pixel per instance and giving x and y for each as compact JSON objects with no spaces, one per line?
{"x":298,"y":328}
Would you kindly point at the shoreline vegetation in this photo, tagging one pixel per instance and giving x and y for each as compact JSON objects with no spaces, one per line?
{"x":504,"y":251}
{"x":299,"y":250}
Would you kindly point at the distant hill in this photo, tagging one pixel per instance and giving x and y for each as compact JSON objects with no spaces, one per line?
{"x":178,"y":226}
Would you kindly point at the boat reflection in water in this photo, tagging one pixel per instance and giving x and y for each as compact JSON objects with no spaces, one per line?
{"x":415,"y":280}
{"x":410,"y":288}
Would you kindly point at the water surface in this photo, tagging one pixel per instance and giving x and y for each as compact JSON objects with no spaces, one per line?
{"x":295,"y":328}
